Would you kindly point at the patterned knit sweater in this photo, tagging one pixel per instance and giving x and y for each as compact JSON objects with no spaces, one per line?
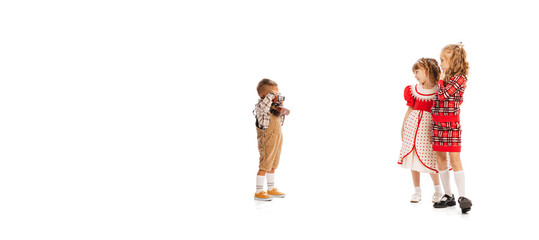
{"x":448,"y":99}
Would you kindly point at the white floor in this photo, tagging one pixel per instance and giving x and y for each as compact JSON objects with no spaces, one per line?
{"x":376,"y":212}
{"x":363,"y":212}
{"x":153,"y":202}
{"x":206,"y":192}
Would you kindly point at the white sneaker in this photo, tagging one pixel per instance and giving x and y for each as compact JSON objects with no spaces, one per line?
{"x":416,"y":198}
{"x":437,"y":197}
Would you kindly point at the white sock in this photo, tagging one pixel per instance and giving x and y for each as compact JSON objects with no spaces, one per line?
{"x":459,"y":179}
{"x":418,"y":190}
{"x":438,"y":188}
{"x":271,"y":180}
{"x":444,"y":176}
{"x":259,"y":183}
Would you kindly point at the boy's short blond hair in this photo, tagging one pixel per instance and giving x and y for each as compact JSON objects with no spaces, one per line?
{"x":264,"y":85}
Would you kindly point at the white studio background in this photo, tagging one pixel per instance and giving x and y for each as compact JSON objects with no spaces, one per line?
{"x":132,"y":119}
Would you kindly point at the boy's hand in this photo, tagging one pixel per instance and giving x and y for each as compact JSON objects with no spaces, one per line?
{"x":272,"y":92}
{"x":266,"y":95}
{"x":275,"y":94}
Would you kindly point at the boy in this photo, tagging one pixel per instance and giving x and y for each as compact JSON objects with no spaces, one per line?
{"x":269,"y":115}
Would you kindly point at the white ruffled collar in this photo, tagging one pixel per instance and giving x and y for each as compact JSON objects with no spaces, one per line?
{"x":423,"y":94}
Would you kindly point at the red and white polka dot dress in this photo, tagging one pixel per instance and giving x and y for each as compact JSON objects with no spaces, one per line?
{"x":416,"y":152}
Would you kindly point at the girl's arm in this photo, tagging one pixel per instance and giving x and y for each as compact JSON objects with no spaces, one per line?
{"x":405,"y":117}
{"x":452,"y":87}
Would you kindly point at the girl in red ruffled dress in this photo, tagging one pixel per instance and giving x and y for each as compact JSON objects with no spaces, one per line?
{"x":416,"y":152}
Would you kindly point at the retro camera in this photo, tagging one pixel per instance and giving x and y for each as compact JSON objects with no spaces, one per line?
{"x":277,"y":108}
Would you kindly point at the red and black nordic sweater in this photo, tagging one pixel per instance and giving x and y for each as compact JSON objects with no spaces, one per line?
{"x":448,"y":99}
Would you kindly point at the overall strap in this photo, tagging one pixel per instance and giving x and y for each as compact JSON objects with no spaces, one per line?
{"x":256,"y":123}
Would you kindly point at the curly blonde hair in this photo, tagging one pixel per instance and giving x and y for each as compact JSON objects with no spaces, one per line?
{"x":430,"y":66}
{"x":456,"y":55}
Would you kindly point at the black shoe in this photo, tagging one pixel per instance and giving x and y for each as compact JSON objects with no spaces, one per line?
{"x":465,"y":204}
{"x":446,"y":201}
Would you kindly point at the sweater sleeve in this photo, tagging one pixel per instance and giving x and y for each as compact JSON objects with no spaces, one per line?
{"x":408,"y":96}
{"x":455,"y":84}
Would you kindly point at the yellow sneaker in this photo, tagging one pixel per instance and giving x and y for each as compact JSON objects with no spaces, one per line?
{"x":274,"y":193}
{"x":262,"y":196}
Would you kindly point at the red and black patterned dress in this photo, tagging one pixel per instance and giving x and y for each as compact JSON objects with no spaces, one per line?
{"x":446,"y":115}
{"x":416,"y":152}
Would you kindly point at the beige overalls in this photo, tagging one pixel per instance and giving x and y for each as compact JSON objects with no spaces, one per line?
{"x":270,"y":141}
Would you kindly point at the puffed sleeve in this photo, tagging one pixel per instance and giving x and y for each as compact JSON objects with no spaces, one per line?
{"x":408,"y":96}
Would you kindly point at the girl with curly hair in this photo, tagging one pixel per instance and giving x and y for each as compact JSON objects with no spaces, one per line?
{"x":446,"y":123}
